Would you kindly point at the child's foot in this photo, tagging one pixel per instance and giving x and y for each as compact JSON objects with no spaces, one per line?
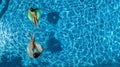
{"x":34,"y":25}
{"x":38,"y":25}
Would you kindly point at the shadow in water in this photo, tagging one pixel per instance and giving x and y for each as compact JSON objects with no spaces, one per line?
{"x":5,"y":7}
{"x":53,"y":17}
{"x":0,"y":1}
{"x":53,"y":45}
{"x":106,"y":65}
{"x":16,"y":62}
{"x":45,"y":64}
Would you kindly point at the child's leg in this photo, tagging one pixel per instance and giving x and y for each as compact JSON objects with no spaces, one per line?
{"x":32,"y":41}
{"x":34,"y":35}
{"x":38,"y":25}
{"x":34,"y":25}
{"x":30,"y":35}
{"x":35,"y":22}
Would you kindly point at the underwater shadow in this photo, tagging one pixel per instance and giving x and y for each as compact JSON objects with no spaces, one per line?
{"x":53,"y":45}
{"x":106,"y":65}
{"x":45,"y":64}
{"x":53,"y":17}
{"x":5,"y":8}
{"x":16,"y":62}
{"x":0,"y":1}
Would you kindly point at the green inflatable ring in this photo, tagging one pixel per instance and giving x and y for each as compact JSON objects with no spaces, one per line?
{"x":30,"y":16}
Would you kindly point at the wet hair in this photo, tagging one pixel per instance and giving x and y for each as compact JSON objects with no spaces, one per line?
{"x":33,"y":9}
{"x":36,"y":55}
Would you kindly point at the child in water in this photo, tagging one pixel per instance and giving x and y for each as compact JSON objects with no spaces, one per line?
{"x":34,"y":49}
{"x":34,"y":15}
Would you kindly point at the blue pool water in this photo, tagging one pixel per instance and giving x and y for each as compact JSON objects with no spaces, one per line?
{"x":84,"y":33}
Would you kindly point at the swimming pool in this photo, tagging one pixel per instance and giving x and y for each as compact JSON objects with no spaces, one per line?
{"x":84,"y":33}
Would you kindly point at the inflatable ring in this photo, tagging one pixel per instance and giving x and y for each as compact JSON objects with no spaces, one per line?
{"x":30,"y":16}
{"x":30,"y":51}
